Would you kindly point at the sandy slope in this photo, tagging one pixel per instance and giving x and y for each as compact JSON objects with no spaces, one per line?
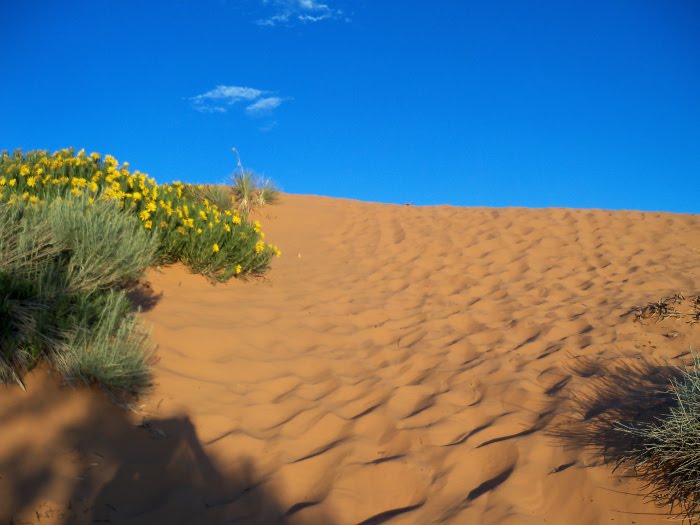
{"x":398,"y":364}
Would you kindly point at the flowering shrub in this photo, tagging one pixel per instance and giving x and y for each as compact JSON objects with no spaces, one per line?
{"x":76,"y":231}
{"x":216,"y":242}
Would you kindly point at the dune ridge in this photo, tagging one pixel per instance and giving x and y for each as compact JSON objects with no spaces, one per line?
{"x":399,"y":364}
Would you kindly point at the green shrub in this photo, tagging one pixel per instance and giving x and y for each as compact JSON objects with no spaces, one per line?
{"x":250,"y":191}
{"x":108,"y":247}
{"x":75,"y":232}
{"x":111,"y":351}
{"x":61,"y":296}
{"x":666,"y":451}
{"x":171,"y":211}
{"x":29,"y":274}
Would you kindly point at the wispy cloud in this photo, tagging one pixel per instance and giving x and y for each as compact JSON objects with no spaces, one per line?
{"x":289,"y":12}
{"x":221,"y":97}
{"x":257,"y":102}
{"x":263,"y":106}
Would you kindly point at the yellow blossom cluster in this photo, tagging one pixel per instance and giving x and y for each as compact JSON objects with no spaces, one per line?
{"x":170,"y":210}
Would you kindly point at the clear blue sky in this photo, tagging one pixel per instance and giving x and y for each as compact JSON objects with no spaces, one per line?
{"x":478,"y":103}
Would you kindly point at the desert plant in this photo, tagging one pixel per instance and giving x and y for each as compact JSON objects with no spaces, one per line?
{"x":108,"y":247}
{"x":176,"y":213}
{"x":250,"y":191}
{"x":112,"y":351}
{"x":61,"y":296}
{"x":266,"y":193}
{"x":666,"y":452}
{"x":28,"y":273}
{"x":219,"y":196}
{"x":244,"y":190}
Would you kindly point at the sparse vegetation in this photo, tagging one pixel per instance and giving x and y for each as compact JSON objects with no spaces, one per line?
{"x":666,"y":451}
{"x":250,"y":191}
{"x":64,"y":269}
{"x":76,"y":231}
{"x":674,"y":306}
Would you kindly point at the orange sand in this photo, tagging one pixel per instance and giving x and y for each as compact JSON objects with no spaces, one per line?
{"x":398,"y":364}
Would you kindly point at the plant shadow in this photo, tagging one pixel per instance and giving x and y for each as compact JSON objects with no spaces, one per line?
{"x":93,"y":463}
{"x":142,"y":296}
{"x":626,"y":393}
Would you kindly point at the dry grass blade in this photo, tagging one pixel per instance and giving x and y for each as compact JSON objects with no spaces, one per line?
{"x":669,"y":307}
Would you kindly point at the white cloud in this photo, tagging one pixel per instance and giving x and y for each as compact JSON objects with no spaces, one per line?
{"x":222,"y":98}
{"x":209,"y":109}
{"x":226,"y":94}
{"x":264,"y":105}
{"x":288,"y":12}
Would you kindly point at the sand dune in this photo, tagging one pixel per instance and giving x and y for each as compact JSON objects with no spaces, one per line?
{"x":398,"y":364}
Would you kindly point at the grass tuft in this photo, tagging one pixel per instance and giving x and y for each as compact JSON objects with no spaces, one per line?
{"x":250,"y":191}
{"x":665,"y":452}
{"x":76,"y":231}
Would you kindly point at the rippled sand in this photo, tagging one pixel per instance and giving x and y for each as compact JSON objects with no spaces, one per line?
{"x":399,"y":364}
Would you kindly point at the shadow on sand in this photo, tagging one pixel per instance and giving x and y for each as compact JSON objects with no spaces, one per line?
{"x":92,"y":463}
{"x":626,"y":393}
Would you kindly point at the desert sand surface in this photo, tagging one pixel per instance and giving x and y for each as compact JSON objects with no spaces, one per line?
{"x":398,"y":364}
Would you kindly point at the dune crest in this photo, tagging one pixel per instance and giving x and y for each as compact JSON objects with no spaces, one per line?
{"x":399,"y":364}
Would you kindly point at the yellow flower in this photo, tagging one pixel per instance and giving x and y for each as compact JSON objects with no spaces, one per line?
{"x":13,"y":182}
{"x":256,"y":227}
{"x":148,"y":225}
{"x":203,"y":215}
{"x":151,"y":206}
{"x":199,"y":231}
{"x":3,"y":180}
{"x":239,"y":269}
{"x":31,"y":181}
{"x":77,"y":192}
{"x":95,"y":156}
{"x":145,"y":215}
{"x":33,"y":199}
{"x":93,"y":186}
{"x":259,"y":246}
{"x":236,"y":219}
{"x":91,"y":201}
{"x":215,"y":248}
{"x":163,"y":225}
{"x":227,"y":228}
{"x":24,"y":171}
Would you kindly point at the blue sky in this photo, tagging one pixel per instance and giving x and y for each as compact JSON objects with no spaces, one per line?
{"x":489,"y":103}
